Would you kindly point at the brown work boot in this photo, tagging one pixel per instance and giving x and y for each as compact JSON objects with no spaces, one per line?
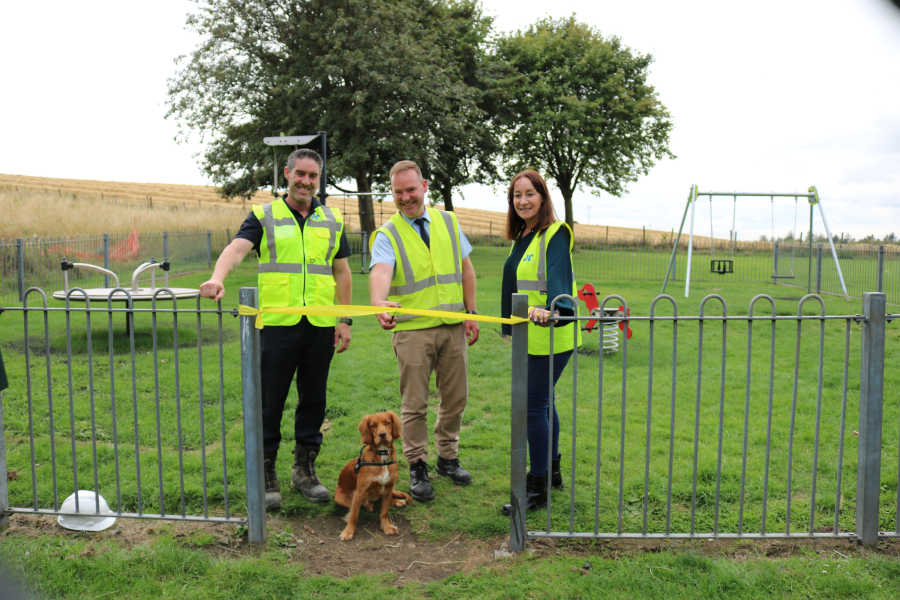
{"x":273,"y":489}
{"x":303,"y":474}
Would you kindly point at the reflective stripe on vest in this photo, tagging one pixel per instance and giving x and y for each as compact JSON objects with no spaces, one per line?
{"x":299,"y":279}
{"x":536,"y":287}
{"x":420,"y":288}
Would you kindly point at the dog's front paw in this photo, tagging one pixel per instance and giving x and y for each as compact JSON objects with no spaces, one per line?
{"x":347,"y":534}
{"x":399,"y":503}
{"x":389,"y":529}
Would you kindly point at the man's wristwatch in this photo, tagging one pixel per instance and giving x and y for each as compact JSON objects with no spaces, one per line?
{"x":346,"y":320}
{"x":471,"y":312}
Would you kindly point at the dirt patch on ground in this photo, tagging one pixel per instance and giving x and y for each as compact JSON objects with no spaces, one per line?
{"x":315,"y":543}
{"x":312,"y":542}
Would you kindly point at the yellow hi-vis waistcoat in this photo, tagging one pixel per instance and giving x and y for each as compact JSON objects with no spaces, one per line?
{"x":531,"y":277}
{"x":294,"y":263}
{"x":425,"y":279}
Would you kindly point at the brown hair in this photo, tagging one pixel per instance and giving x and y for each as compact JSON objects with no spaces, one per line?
{"x":546,"y":215}
{"x":404,"y":165}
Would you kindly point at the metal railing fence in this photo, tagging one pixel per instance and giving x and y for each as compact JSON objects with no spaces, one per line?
{"x":142,"y":414}
{"x":35,"y":262}
{"x":721,"y":425}
{"x":863,"y":267}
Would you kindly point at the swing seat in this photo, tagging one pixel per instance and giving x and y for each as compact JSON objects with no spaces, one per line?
{"x":721,"y":266}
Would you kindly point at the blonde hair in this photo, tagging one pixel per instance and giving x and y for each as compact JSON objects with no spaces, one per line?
{"x":405,"y":165}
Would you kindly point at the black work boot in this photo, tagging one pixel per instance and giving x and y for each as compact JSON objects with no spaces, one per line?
{"x":449,"y":467}
{"x":556,"y":480}
{"x":419,"y":484}
{"x":535,"y":494}
{"x":273,"y":490}
{"x":303,"y":474}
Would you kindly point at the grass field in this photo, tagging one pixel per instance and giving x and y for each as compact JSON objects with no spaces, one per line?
{"x":365,"y":380}
{"x":171,"y":568}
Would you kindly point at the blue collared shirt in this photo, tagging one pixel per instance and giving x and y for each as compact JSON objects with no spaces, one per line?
{"x":383,"y":251}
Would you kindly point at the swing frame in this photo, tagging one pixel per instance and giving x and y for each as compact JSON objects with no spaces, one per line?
{"x":812,"y":195}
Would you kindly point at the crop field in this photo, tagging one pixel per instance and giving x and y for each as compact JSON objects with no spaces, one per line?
{"x":192,"y":197}
{"x":365,"y":379}
{"x":88,"y":213}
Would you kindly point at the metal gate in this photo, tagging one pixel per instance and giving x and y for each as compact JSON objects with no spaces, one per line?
{"x":144,"y":414}
{"x":752,"y":439}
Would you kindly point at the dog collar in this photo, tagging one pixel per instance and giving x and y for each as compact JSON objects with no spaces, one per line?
{"x":362,"y":463}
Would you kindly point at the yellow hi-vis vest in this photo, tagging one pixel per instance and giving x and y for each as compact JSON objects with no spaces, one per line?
{"x":295,"y":264}
{"x":425,"y":279}
{"x":531,"y":277}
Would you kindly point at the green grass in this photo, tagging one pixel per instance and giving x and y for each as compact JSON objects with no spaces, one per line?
{"x":165,"y":568}
{"x":365,"y":380}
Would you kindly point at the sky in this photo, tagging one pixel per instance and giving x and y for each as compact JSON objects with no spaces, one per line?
{"x":765,"y":96}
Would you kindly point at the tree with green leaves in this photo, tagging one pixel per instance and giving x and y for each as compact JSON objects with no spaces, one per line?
{"x":466,"y":153}
{"x":374,"y":74}
{"x":579,"y":108}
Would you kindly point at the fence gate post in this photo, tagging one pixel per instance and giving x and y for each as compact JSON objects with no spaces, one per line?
{"x":819,"y":269}
{"x":519,"y":441}
{"x":365,"y":252}
{"x":20,"y":267}
{"x":208,"y":249}
{"x":251,"y":387}
{"x":880,"y":277}
{"x":871,"y":396}
{"x":4,"y":486}
{"x":165,"y":245}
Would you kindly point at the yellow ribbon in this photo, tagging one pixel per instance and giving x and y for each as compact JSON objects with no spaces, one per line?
{"x":349,"y":310}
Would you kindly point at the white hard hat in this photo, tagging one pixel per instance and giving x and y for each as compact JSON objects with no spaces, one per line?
{"x":87,"y":506}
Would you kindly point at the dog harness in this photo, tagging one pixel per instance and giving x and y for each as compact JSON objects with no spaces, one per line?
{"x":361,"y":463}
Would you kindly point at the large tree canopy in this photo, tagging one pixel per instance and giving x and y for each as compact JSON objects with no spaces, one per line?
{"x":374,"y":74}
{"x":579,"y":108}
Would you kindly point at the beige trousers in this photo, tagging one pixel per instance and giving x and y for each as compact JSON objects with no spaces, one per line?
{"x":419,"y":352}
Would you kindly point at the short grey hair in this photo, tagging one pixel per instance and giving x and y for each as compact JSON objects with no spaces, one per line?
{"x":303,"y":153}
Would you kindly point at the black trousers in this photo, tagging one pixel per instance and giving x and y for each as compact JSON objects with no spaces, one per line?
{"x":304,"y":350}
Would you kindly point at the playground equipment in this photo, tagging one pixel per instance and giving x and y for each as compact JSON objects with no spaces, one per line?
{"x":724,"y":266}
{"x":135,"y":293}
{"x":611,"y":320}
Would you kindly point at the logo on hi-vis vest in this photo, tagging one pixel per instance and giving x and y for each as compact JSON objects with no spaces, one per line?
{"x":315,"y":216}
{"x":528,"y":258}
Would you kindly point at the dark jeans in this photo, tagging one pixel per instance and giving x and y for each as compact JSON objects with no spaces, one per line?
{"x":539,"y":407}
{"x":307,"y":351}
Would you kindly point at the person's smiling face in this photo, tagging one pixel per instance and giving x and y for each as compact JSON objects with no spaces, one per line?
{"x":409,"y":189}
{"x":303,"y":179}
{"x":527,"y":201}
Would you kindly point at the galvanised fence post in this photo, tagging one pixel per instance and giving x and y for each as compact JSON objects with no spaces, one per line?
{"x":208,"y":249}
{"x":871,"y":397}
{"x":20,"y":267}
{"x":4,"y":486}
{"x":819,"y":269}
{"x":880,"y":277}
{"x":519,"y":442}
{"x":106,"y":258}
{"x":165,"y":245}
{"x":251,"y":384}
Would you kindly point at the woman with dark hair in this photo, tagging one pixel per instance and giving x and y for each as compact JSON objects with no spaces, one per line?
{"x":540,"y":264}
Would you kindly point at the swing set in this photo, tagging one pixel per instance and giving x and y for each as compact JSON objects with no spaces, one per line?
{"x":724,"y":266}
